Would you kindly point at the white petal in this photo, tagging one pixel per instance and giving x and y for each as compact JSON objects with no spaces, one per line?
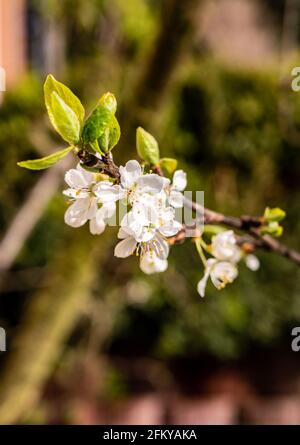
{"x":252,"y":262}
{"x":130,"y":173}
{"x":76,"y":193}
{"x":224,"y":247}
{"x":88,"y":176}
{"x":122,"y":234}
{"x":76,"y":214}
{"x":176,"y":199}
{"x":107,"y":192}
{"x":151,"y":183}
{"x":97,"y":226}
{"x":203,"y":282}
{"x":166,"y":182}
{"x":150,"y":263}
{"x":161,"y":247}
{"x":106,"y":211}
{"x":147,"y":234}
{"x":170,"y":229}
{"x":179,"y":180}
{"x":132,"y":225}
{"x":75,"y":179}
{"x":125,"y":247}
{"x":144,"y":214}
{"x":92,"y":208}
{"x":222,"y":273}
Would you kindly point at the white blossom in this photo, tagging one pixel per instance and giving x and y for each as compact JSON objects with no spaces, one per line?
{"x":225,"y":248}
{"x":87,"y":204}
{"x":220,"y":272}
{"x":153,"y":253}
{"x":252,"y":262}
{"x":133,"y":183}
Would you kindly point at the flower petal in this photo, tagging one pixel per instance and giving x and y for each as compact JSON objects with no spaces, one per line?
{"x":122,"y":234}
{"x":176,"y":199}
{"x":147,"y":234}
{"x":151,"y":183}
{"x":252,"y":262}
{"x":75,"y":179}
{"x":179,"y":180}
{"x":125,"y":247}
{"x":97,"y":226}
{"x":150,"y":263}
{"x":222,"y":273}
{"x":170,"y":229}
{"x":92,"y":208}
{"x":161,"y":247}
{"x":76,"y":214}
{"x":203,"y":282}
{"x":88,"y":176}
{"x":106,"y":211}
{"x":107,"y":192}
{"x":76,"y":193}
{"x":130,"y":173}
{"x":224,"y":247}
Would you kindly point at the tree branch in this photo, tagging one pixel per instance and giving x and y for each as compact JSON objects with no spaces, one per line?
{"x":245,"y":223}
{"x":248,"y":224}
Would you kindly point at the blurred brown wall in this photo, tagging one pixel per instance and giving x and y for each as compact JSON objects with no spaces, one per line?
{"x":12,"y":39}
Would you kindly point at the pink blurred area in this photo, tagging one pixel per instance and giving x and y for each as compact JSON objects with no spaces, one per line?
{"x":12,"y":39}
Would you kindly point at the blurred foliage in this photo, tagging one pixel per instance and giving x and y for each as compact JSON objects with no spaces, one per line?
{"x":229,"y":135}
{"x":21,"y":107}
{"x":237,"y":133}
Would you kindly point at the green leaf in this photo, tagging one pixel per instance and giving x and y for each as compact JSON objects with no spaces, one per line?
{"x":100,"y":119}
{"x":95,"y":146}
{"x":274,"y":215}
{"x":52,"y":85}
{"x":168,"y":165}
{"x":47,"y":161}
{"x":65,"y":120}
{"x":273,"y":229}
{"x":147,"y":146}
{"x":109,"y":102}
{"x":110,"y":137}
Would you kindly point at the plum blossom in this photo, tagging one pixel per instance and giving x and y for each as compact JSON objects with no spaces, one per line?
{"x":225,"y":248}
{"x":151,"y":215}
{"x":220,"y":273}
{"x":222,"y":269}
{"x":134,"y":183}
{"x":153,"y":252}
{"x":86,"y":202}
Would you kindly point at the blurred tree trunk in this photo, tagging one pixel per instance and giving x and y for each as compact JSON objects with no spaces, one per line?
{"x":178,"y":21}
{"x":47,"y":322}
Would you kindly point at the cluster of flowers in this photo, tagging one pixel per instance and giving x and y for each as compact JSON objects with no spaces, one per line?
{"x":150,"y":221}
{"x":222,"y":268}
{"x":144,"y":229}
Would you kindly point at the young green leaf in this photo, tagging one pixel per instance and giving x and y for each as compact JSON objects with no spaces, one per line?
{"x":273,"y":229}
{"x":275,"y":214}
{"x":110,"y":137}
{"x":64,"y":120}
{"x":147,"y":146}
{"x":47,"y":161}
{"x":168,"y":165}
{"x":100,"y":118}
{"x":52,"y":85}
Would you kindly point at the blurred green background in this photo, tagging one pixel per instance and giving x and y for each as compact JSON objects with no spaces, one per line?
{"x":87,"y":334}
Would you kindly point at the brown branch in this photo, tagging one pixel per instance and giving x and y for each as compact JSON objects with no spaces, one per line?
{"x":250,"y":224}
